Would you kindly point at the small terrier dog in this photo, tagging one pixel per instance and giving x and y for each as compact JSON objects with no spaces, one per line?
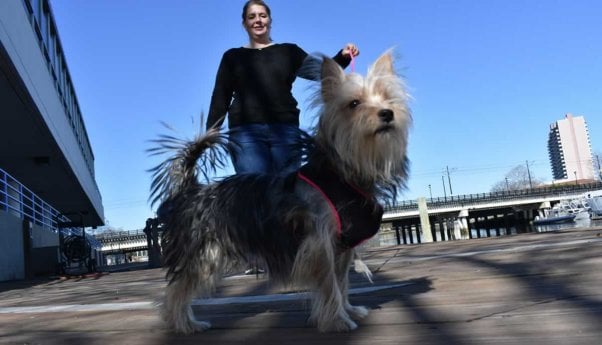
{"x":304,"y":226}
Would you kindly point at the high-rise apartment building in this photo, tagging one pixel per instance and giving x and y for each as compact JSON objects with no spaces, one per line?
{"x":569,"y":149}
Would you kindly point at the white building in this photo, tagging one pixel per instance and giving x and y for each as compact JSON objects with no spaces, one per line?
{"x":46,"y":161}
{"x":570,"y":150}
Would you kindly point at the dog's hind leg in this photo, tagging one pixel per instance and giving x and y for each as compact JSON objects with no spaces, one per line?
{"x":343,"y":264}
{"x":198,"y":278}
{"x":177,"y":311}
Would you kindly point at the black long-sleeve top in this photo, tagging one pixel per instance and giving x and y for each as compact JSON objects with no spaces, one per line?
{"x":255,"y":85}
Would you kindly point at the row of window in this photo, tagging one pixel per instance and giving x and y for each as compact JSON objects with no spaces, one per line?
{"x":41,"y":18}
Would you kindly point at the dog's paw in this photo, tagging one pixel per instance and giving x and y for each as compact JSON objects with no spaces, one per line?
{"x":192,"y":326}
{"x":357,"y":312}
{"x":340,"y":324}
{"x":200,"y":326}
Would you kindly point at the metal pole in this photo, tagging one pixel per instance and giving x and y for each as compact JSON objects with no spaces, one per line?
{"x":444,"y":192}
{"x":449,"y":181}
{"x":507,"y":188}
{"x":529,"y":173}
{"x":575,"y":172}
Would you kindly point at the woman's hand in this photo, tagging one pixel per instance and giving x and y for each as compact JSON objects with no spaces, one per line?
{"x":350,"y":50}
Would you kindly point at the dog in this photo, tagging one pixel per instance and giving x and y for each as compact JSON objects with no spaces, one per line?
{"x":304,"y":226}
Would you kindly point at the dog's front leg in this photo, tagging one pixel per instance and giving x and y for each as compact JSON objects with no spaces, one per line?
{"x":343,"y":263}
{"x":328,"y":307}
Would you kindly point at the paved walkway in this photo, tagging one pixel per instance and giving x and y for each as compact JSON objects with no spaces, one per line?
{"x":531,"y":289}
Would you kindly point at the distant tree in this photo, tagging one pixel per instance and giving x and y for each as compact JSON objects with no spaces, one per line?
{"x":515,"y":179}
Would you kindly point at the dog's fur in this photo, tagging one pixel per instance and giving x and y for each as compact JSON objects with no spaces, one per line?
{"x":361,"y":134}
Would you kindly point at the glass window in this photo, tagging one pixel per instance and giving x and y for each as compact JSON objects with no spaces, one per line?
{"x":44,"y":25}
{"x":50,"y":45}
{"x":36,"y":8}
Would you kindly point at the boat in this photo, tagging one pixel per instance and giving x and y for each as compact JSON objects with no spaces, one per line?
{"x":595,"y":204}
{"x":554,"y":215}
{"x":578,"y":207}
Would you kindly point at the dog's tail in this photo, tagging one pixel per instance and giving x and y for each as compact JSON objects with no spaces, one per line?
{"x":186,"y":163}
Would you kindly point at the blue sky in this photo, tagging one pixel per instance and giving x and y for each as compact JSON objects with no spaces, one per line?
{"x":487,"y":78}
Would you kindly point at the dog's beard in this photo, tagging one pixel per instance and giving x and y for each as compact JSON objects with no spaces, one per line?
{"x":368,"y":151}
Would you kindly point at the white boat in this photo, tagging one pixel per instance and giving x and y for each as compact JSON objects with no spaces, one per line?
{"x":553,"y":216}
{"x":577,"y":207}
{"x":595,"y":204}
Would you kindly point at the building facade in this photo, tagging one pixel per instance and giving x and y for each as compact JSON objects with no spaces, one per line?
{"x":570,"y":150}
{"x":46,"y":160}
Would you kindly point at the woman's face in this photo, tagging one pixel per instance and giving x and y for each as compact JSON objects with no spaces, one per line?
{"x":257,"y":22}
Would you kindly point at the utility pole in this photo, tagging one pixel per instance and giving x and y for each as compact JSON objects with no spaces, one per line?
{"x":449,"y":181}
{"x":529,"y":173}
{"x":444,"y":192}
{"x":431,"y":193}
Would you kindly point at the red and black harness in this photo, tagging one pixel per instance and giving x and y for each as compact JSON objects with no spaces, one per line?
{"x":358,"y":214}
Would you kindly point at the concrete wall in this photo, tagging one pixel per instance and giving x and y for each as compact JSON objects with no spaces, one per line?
{"x":12,"y":266}
{"x":43,"y":251}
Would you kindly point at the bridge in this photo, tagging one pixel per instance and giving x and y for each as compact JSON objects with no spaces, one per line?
{"x":519,"y":199}
{"x":449,"y":218}
{"x":117,"y":247}
{"x":465,"y":216}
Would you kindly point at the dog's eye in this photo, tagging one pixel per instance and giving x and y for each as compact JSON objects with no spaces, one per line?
{"x":354,"y":103}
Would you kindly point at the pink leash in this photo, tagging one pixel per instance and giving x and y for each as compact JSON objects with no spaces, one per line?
{"x":352,"y":64}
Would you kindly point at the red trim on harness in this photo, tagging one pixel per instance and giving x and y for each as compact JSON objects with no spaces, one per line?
{"x":334,"y":210}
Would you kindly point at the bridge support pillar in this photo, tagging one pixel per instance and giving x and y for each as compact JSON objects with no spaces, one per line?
{"x":461,"y":226}
{"x":425,"y":224}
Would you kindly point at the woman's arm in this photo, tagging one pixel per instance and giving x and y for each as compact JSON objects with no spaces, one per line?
{"x":221,"y":97}
{"x":311,"y":67}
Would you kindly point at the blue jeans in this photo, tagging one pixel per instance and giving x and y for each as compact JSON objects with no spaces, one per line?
{"x":265,"y":148}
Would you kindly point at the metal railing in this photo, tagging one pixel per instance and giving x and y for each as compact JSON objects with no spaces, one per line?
{"x":109,"y":236}
{"x":20,"y":201}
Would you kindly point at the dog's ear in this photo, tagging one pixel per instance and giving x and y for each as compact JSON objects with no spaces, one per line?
{"x":383,"y":65}
{"x":332,"y":78}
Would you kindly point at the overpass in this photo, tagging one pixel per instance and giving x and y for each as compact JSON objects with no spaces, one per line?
{"x":127,"y":246}
{"x":490,"y":202}
{"x":467,"y":216}
{"x":403,"y":219}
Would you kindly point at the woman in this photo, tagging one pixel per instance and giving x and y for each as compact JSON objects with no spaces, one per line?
{"x":253,"y":85}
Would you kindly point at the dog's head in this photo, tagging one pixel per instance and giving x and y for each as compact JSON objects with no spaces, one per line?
{"x":364,"y":121}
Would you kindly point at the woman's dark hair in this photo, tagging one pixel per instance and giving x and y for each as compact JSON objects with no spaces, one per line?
{"x":255,"y":2}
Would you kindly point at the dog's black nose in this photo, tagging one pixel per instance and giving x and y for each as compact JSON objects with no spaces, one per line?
{"x":386,"y":115}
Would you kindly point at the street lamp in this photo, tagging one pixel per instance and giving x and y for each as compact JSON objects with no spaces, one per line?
{"x":575,"y":172}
